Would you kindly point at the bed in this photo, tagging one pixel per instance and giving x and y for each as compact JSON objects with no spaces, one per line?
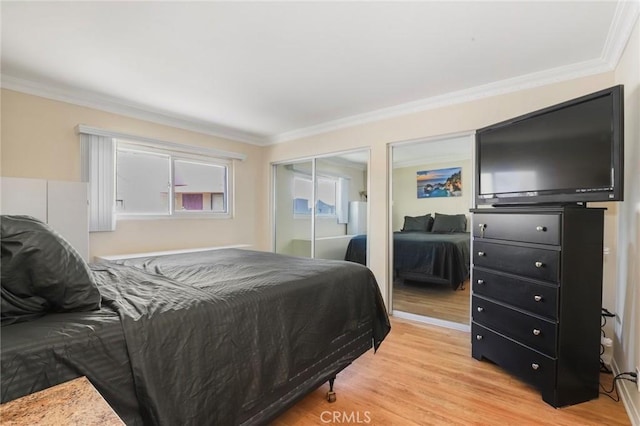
{"x":216,"y":337}
{"x":424,"y":255}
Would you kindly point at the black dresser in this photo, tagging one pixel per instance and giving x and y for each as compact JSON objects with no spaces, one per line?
{"x":537,"y":295}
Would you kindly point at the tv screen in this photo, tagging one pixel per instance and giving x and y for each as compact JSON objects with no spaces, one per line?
{"x":567,"y":153}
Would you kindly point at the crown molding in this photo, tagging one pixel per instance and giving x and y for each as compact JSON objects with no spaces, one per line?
{"x":622,"y":24}
{"x":117,"y":106}
{"x":515,"y":84}
{"x":624,"y":19}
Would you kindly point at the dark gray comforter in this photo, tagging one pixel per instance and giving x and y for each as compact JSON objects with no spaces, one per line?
{"x":221,"y":337}
{"x":233,"y":336}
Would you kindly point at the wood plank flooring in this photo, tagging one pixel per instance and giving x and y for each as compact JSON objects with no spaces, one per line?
{"x":432,"y":300}
{"x":425,"y":375}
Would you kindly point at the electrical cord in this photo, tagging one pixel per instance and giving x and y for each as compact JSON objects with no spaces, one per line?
{"x":604,"y":369}
{"x":613,"y":384}
{"x":604,"y":315}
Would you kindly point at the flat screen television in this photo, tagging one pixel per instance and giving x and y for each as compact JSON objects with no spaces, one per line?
{"x":570,"y":153}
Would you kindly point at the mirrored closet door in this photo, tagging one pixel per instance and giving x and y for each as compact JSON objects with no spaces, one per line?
{"x":432,"y":193}
{"x":293,"y":206}
{"x":320,"y":207}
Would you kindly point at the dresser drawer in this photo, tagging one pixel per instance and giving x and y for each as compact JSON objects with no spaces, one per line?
{"x":532,"y":228}
{"x":537,"y":298}
{"x":532,"y":331}
{"x":529,"y":365}
{"x":531,"y":262}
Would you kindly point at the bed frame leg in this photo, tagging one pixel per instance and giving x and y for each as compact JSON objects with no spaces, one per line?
{"x":331,"y":395}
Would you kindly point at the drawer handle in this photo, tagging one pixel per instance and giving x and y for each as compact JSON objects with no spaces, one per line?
{"x":480,"y":253}
{"x":478,"y":337}
{"x":535,"y":366}
{"x":480,"y":282}
{"x":537,"y":298}
{"x":540,"y":228}
{"x":536,"y":332}
{"x":480,"y":309}
{"x":539,"y":264}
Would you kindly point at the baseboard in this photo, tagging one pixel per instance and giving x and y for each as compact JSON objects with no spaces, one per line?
{"x":625,"y":389}
{"x":432,"y":321}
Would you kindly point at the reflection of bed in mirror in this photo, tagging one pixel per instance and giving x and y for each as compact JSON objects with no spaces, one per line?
{"x":432,"y":249}
{"x":423,"y":256}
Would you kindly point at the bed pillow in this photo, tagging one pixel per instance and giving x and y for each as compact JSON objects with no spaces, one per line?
{"x":418,"y":223}
{"x":444,"y":223}
{"x":41,"y":272}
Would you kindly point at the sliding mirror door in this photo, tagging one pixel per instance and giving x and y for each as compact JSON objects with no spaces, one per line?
{"x":320,"y":207}
{"x":341,"y":207}
{"x":431,"y":259}
{"x":293,"y":207}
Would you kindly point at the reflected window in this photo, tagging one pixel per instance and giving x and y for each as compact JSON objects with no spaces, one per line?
{"x":326,"y":195}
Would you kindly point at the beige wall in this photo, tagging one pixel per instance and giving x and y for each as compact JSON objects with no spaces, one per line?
{"x":627,"y":298}
{"x":39,"y":141}
{"x":421,"y":125}
{"x":407,"y":203}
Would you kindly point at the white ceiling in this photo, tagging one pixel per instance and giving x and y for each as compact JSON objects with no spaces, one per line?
{"x":264,"y":72}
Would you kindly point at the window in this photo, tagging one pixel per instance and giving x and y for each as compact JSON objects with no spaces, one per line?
{"x":157,"y":182}
{"x":200,"y":186}
{"x":142,"y":182}
{"x":326,"y":193}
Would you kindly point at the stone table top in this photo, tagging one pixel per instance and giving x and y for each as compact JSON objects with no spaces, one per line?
{"x":75,"y":402}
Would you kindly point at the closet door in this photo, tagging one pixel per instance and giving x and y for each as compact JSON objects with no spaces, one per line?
{"x":340,"y":185}
{"x":293,"y":205}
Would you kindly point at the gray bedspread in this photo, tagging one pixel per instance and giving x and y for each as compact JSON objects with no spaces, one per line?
{"x":223,"y":337}
{"x":63,"y":346}
{"x":234,"y":336}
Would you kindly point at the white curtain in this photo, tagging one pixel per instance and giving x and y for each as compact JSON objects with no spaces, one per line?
{"x":98,"y":169}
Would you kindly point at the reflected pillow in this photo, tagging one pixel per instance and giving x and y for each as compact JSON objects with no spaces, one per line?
{"x":417,"y":223}
{"x":41,"y":272}
{"x":444,"y":223}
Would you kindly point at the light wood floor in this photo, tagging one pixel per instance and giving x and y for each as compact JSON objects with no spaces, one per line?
{"x":432,"y":300}
{"x":425,"y":375}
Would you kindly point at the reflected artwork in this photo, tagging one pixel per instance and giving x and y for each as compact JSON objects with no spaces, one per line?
{"x":440,"y":183}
